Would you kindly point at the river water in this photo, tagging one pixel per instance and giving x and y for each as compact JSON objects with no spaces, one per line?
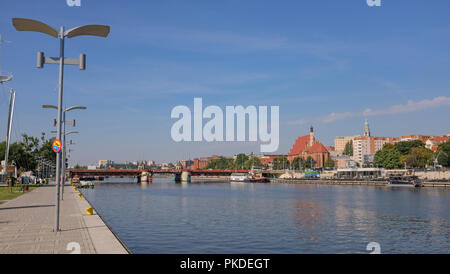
{"x":223,"y":217}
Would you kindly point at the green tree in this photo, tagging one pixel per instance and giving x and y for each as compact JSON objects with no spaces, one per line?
{"x":281,"y":163}
{"x":348,"y":150}
{"x":388,"y":146}
{"x":239,"y":163}
{"x":388,"y":157}
{"x":419,"y":157}
{"x":22,"y":158}
{"x":26,"y":152}
{"x":211,"y":164}
{"x":252,"y":162}
{"x":329,"y":163}
{"x":2,"y":150}
{"x":443,"y":154}
{"x":30,"y":143}
{"x":298,"y":163}
{"x":23,"y":153}
{"x":310,"y":163}
{"x":221,"y":163}
{"x":46,"y":151}
{"x":405,"y":147}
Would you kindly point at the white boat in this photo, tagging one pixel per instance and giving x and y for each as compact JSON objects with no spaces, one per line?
{"x":86,"y":184}
{"x":240,"y":177}
{"x":404,"y":180}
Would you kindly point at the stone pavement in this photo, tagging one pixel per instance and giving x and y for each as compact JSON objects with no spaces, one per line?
{"x":27,"y":226}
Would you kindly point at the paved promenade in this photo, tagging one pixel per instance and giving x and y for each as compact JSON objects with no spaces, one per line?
{"x":27,"y":223}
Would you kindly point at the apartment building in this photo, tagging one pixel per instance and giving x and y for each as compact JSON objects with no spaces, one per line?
{"x":365,"y":146}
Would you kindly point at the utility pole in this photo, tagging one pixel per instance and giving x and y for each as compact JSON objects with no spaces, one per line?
{"x":63,"y":160}
{"x":22,"y":24}
{"x":12,"y":99}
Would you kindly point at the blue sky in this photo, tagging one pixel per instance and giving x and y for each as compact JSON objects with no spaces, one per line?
{"x":326,"y":63}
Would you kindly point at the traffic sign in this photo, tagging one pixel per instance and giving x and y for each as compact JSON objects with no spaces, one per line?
{"x":56,"y":146}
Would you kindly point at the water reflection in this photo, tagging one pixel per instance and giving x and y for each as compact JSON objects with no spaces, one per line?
{"x":143,"y":185}
{"x":241,"y":185}
{"x":309,"y":218}
{"x":223,"y":217}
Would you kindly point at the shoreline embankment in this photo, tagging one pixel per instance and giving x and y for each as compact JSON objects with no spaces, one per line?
{"x":104,"y":238}
{"x":361,"y":182}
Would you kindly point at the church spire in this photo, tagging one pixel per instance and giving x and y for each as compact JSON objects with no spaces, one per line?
{"x":311,"y":136}
{"x":366,"y":129}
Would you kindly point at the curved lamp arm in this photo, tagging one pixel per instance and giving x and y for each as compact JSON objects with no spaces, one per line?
{"x":93,"y":30}
{"x":22,"y":24}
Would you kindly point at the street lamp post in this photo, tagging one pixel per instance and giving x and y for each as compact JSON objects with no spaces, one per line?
{"x":12,"y":98}
{"x":64,"y":122}
{"x":64,"y":151}
{"x":22,"y":24}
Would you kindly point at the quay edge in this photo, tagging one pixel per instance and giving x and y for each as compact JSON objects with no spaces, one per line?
{"x":104,"y":238}
{"x":349,"y":182}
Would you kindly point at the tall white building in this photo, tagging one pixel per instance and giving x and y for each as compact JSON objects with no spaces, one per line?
{"x":361,"y":147}
{"x":364,"y":147}
{"x":104,"y":163}
{"x":341,"y":141}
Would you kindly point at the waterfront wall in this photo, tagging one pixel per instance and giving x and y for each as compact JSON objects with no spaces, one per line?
{"x":360,"y":182}
{"x":299,"y":175}
{"x":104,"y":239}
{"x":328,"y":182}
{"x":434,"y":175}
{"x":328,"y":175}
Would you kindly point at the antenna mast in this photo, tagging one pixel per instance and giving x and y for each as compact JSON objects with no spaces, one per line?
{"x":3,"y":78}
{"x":12,"y":99}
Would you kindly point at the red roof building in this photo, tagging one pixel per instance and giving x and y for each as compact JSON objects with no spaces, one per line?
{"x":268,"y":159}
{"x":202,"y":163}
{"x":308,"y":146}
{"x":434,"y":142}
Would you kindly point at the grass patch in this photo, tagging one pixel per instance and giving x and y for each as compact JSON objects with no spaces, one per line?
{"x":6,"y":195}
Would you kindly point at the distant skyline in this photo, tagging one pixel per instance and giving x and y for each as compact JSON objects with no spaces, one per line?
{"x":330,"y":64}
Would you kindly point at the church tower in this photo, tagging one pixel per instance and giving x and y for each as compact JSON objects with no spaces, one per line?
{"x":311,"y":136}
{"x":366,"y":129}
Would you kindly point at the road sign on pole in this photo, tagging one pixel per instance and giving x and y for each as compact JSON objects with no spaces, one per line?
{"x":56,"y":146}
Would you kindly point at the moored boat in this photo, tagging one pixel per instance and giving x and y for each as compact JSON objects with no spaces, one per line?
{"x":260,"y":180}
{"x":404,"y":180}
{"x":240,"y":177}
{"x":247,"y":178}
{"x":86,"y":184}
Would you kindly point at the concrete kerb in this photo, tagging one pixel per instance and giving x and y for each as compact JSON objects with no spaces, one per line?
{"x":103,"y":237}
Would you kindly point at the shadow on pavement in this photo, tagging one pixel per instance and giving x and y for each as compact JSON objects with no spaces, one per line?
{"x":23,"y":207}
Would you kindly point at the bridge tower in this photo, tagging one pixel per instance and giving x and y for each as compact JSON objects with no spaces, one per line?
{"x":145,"y":177}
{"x":177,"y":177}
{"x":186,"y":176}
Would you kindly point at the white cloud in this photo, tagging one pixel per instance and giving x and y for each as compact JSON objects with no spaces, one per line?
{"x":411,"y":106}
{"x":170,"y":36}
